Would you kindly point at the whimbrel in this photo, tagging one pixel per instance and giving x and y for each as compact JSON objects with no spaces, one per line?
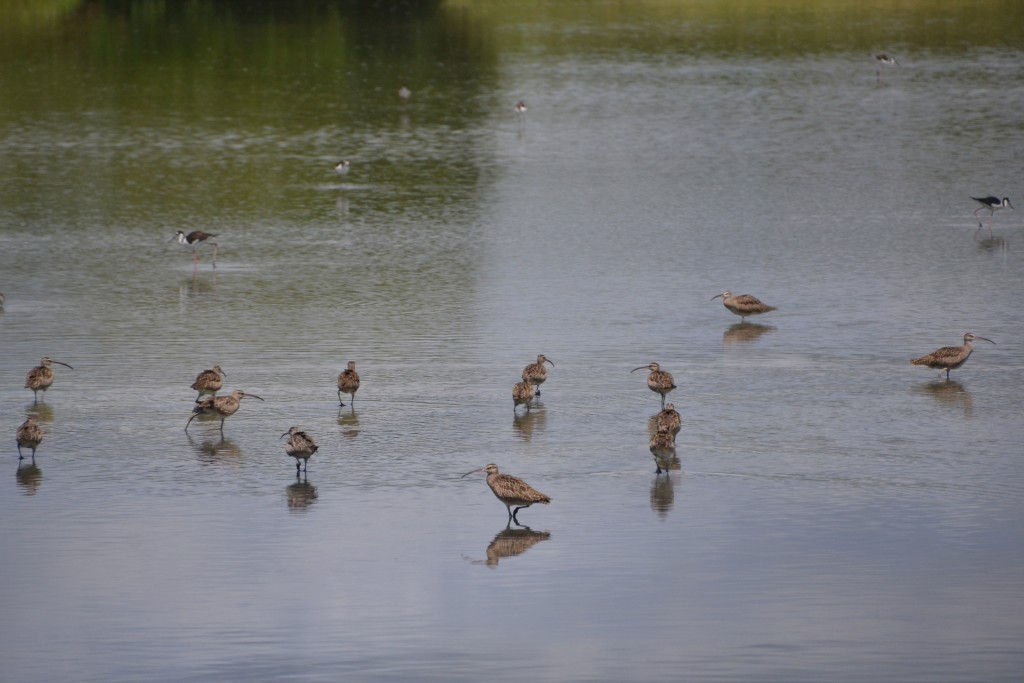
{"x":743,"y":304}
{"x":663,"y":448}
{"x":522,"y":394}
{"x":224,"y":406}
{"x":659,"y":381}
{"x":30,"y":435}
{"x":300,"y":446}
{"x":536,"y":373}
{"x":209,"y":382}
{"x":512,"y":491}
{"x":193,"y":241}
{"x":348,"y":383}
{"x":41,"y":377}
{"x":950,"y":357}
{"x":669,"y":419}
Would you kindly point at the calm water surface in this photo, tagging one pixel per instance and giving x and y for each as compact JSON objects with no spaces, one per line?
{"x":837,"y":514}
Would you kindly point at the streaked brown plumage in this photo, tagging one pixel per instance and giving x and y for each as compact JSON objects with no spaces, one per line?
{"x":300,"y":446}
{"x":512,"y":491}
{"x":536,"y":373}
{"x":348,"y":383}
{"x":743,"y":304}
{"x":522,"y":394}
{"x":511,"y":542}
{"x":659,"y":381}
{"x":41,"y":377}
{"x":669,"y":419}
{"x":663,"y":448}
{"x":209,"y":382}
{"x":950,"y":357}
{"x":224,"y":406}
{"x":29,"y":435}
{"x":193,"y":241}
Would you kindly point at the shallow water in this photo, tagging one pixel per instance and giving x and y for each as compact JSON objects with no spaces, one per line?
{"x":836,"y":512}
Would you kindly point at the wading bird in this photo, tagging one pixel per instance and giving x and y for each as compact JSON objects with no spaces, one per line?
{"x":536,"y":373}
{"x":522,"y":394}
{"x":883,"y":60}
{"x":300,"y":446}
{"x":193,"y":241}
{"x":224,"y":406}
{"x":669,"y":419}
{"x":512,"y":491}
{"x":341,"y":168}
{"x":659,"y":381}
{"x":663,"y":448}
{"x":30,"y":435}
{"x":743,"y":304}
{"x":348,"y":383}
{"x":209,"y":382}
{"x":991,"y":204}
{"x":41,"y":377}
{"x":950,"y":357}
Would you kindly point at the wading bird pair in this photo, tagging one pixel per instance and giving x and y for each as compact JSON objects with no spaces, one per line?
{"x":533,"y":376}
{"x":222,"y":406}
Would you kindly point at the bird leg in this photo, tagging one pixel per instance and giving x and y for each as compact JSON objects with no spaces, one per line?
{"x":214,"y":254}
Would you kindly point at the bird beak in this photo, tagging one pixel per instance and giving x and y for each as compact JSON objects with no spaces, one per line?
{"x":194,"y":413}
{"x":642,"y":367}
{"x":285,"y":434}
{"x":479,"y":469}
{"x":715,"y":296}
{"x":985,"y":338}
{"x":253,"y":396}
{"x":59,"y":363}
{"x":548,"y":360}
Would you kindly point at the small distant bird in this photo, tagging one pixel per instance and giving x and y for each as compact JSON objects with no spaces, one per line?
{"x":950,"y":357}
{"x":300,"y":446}
{"x":535,"y":373}
{"x":404,"y":93}
{"x":1,"y":300}
{"x":341,"y":168}
{"x":41,"y":377}
{"x":522,"y":394}
{"x":224,"y":406}
{"x":743,"y":304}
{"x":209,"y":382}
{"x":886,"y":60}
{"x":521,"y":108}
{"x":193,"y":241}
{"x":30,"y":435}
{"x":663,"y":448}
{"x":669,"y":419}
{"x":659,"y":381}
{"x":348,"y":383}
{"x":992,"y":204}
{"x":512,"y":491}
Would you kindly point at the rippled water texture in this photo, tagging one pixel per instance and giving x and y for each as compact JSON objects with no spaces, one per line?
{"x":833,"y":512}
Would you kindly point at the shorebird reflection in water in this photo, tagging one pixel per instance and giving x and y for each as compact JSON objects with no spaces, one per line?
{"x":301,"y":447}
{"x":512,"y":491}
{"x":41,"y":377}
{"x":209,"y":382}
{"x":193,"y":241}
{"x":535,"y":373}
{"x":659,"y":381}
{"x":950,"y":357}
{"x":743,"y":304}
{"x":29,"y":435}
{"x":223,"y":406}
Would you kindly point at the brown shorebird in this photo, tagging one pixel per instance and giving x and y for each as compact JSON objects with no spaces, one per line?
{"x":536,"y":373}
{"x":209,"y":382}
{"x":193,"y":241}
{"x":224,"y":406}
{"x":669,"y":419}
{"x":512,"y":491}
{"x":743,"y":304}
{"x":663,"y":448}
{"x":950,"y":357}
{"x":41,"y":377}
{"x":659,"y":381}
{"x":348,"y":383}
{"x":30,"y":435}
{"x":300,"y":446}
{"x":522,"y":394}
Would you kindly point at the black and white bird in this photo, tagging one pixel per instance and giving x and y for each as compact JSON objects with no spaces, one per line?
{"x":992,"y":204}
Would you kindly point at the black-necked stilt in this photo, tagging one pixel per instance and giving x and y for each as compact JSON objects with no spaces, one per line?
{"x":521,"y":107}
{"x":404,"y":93}
{"x":992,"y":204}
{"x":193,"y":241}
{"x":341,"y":168}
{"x":887,"y":61}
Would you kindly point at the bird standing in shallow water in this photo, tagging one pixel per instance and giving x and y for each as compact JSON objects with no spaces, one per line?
{"x":663,"y":448}
{"x":512,"y":491}
{"x":341,"y":168}
{"x":669,"y":419}
{"x":209,"y":382}
{"x":950,"y":357}
{"x":522,"y":393}
{"x":348,"y":383}
{"x":193,"y":241}
{"x":883,"y":60}
{"x":30,"y":435}
{"x":535,"y":373}
{"x":743,"y":304}
{"x":41,"y":377}
{"x":224,"y":406}
{"x":300,"y":446}
{"x":659,"y":381}
{"x":992,"y":204}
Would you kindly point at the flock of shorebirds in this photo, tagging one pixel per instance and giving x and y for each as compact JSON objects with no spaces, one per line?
{"x":513,"y":492}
